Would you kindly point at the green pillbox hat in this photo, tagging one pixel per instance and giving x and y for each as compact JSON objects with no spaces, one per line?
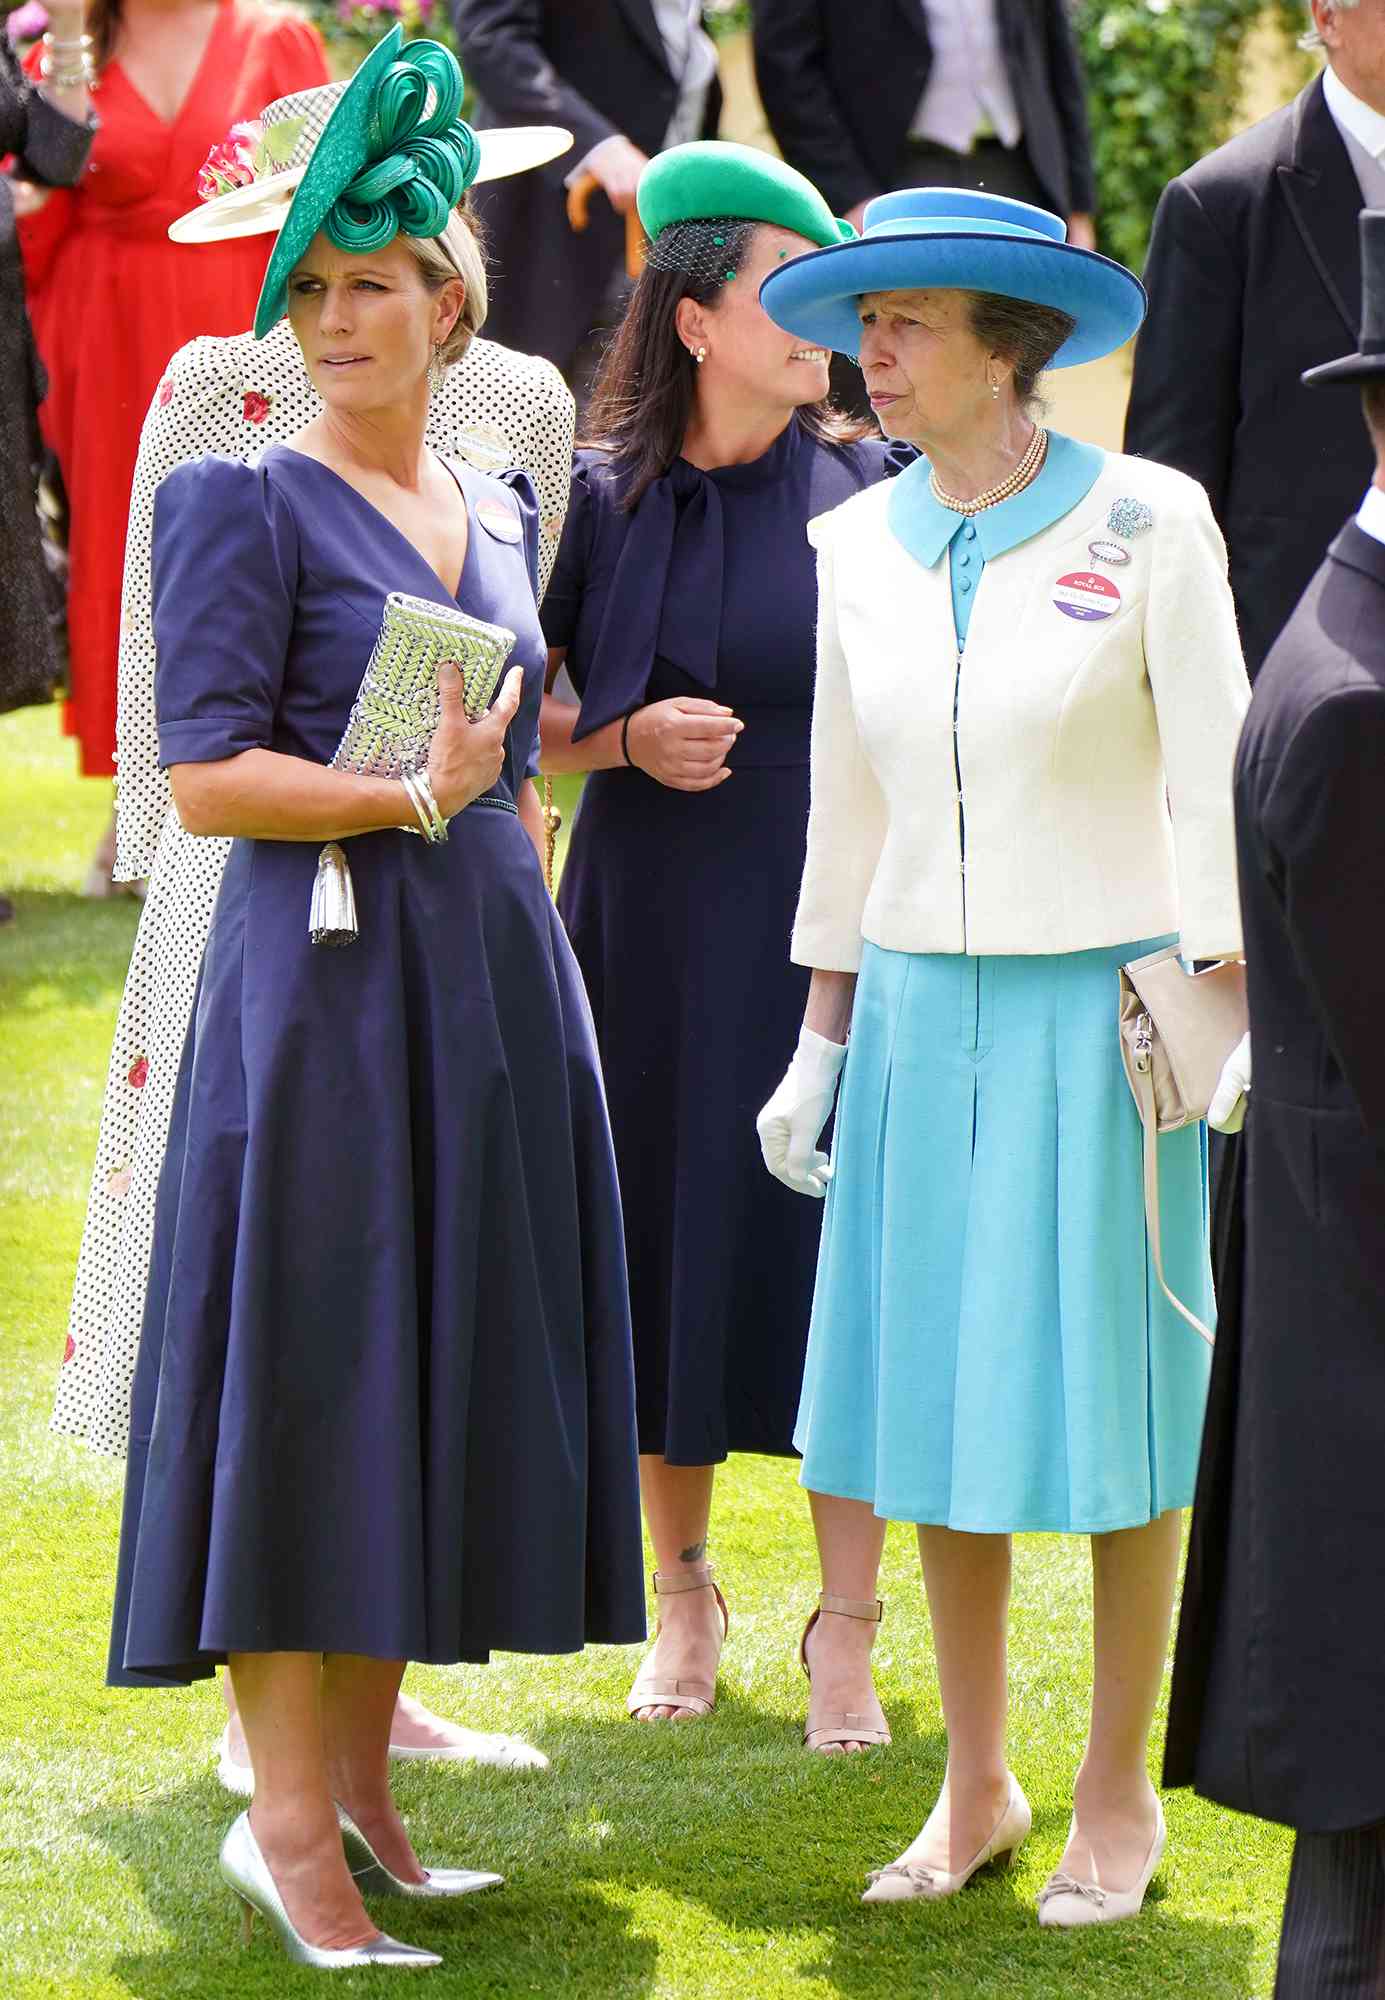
{"x":712,"y":180}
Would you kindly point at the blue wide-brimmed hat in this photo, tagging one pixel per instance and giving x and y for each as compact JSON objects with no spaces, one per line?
{"x":957,"y":239}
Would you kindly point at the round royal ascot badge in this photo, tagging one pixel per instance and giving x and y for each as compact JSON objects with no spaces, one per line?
{"x":1085,"y":595}
{"x":498,"y":518}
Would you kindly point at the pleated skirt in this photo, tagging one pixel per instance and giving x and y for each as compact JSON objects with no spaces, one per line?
{"x":990,"y":1349}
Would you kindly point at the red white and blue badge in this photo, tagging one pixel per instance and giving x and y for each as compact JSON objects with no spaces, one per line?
{"x":1083,"y":594}
{"x":500,"y":519}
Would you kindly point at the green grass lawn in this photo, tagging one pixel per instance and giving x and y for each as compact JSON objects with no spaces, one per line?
{"x":714,"y":1861}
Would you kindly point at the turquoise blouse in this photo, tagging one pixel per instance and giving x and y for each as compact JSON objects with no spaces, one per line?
{"x":926,"y":528}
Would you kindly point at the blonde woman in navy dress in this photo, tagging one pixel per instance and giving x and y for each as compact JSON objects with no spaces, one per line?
{"x":1029,"y":692}
{"x":383,"y":1408}
{"x":682,"y":604}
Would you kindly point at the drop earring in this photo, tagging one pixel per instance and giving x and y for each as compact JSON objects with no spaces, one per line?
{"x":435,"y":370}
{"x":995,"y":391}
{"x":699,"y":355}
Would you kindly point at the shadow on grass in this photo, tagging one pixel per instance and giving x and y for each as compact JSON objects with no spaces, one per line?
{"x":73,"y":950}
{"x":739,"y":1823}
{"x":555,"y":1936}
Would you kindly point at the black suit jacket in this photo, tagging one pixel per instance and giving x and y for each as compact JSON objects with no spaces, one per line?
{"x":841,"y":81}
{"x":598,"y":67}
{"x":1254,"y":274}
{"x":1279,"y":1680}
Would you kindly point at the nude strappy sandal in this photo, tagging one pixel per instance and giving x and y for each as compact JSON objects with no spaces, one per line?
{"x":650,"y":1690}
{"x":841,"y":1725}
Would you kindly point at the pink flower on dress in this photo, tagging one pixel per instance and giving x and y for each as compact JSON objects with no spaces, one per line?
{"x":119,"y":1179}
{"x":27,"y":23}
{"x":232,"y":164}
{"x":69,"y":1349}
{"x":255,"y":407}
{"x":164,"y":395}
{"x":138,"y":1073}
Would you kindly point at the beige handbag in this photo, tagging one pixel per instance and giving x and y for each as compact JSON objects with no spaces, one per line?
{"x":1177,"y":1029}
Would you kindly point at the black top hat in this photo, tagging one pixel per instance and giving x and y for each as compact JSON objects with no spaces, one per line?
{"x":1368,"y":363}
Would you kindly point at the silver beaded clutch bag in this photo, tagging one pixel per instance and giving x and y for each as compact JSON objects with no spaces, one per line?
{"x":393,"y":718}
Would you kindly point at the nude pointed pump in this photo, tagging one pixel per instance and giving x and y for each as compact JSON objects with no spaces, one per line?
{"x":246,"y":1873}
{"x":372,"y":1877}
{"x":1065,"y":1903}
{"x":907,"y":1881}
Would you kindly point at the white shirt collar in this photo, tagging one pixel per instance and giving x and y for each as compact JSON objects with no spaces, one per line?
{"x":1371,"y":518}
{"x":1351,"y":114}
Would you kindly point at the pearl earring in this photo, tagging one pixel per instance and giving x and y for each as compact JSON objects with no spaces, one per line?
{"x":995,"y":390}
{"x":700,"y":355}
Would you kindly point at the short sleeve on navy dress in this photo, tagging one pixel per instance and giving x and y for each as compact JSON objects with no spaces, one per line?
{"x":220,"y":655}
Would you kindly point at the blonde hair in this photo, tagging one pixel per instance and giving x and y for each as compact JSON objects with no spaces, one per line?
{"x":457,"y":253}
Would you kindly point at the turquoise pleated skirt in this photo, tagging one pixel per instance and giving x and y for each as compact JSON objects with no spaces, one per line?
{"x":990,"y":1349}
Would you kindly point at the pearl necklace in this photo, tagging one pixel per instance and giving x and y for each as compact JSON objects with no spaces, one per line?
{"x":1028,"y":469}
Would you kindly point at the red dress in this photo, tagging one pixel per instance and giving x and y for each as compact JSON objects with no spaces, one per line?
{"x":112,"y":299}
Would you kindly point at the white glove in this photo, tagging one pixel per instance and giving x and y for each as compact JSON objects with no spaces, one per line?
{"x":791,"y":1123}
{"x":1227,"y":1111}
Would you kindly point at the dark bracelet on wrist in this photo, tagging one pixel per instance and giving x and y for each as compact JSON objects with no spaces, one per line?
{"x":625,"y":740}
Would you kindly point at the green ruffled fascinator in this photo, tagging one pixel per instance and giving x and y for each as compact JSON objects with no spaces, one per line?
{"x":395,"y":155}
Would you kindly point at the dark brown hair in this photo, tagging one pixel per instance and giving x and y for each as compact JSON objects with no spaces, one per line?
{"x":1028,"y":335}
{"x":643,"y":397}
{"x":103,"y":24}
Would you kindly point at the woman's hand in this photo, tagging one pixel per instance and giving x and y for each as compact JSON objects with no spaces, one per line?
{"x":683,"y":742}
{"x":791,"y":1123}
{"x":1227,"y":1111}
{"x":466,"y":757}
{"x":28,"y":199}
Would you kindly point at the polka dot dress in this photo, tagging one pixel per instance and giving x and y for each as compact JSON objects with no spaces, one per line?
{"x":495,"y":409}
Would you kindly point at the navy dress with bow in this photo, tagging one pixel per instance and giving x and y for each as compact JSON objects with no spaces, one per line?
{"x":680,"y":904}
{"x":383,"y":1402}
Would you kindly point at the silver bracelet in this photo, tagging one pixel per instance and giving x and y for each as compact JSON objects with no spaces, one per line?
{"x":439,"y":824}
{"x":425,"y":825}
{"x":66,"y":64}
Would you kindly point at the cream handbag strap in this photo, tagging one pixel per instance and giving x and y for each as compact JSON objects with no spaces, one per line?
{"x":1149,"y":1119}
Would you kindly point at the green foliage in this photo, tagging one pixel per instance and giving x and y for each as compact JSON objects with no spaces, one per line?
{"x":351,"y":28}
{"x":1163,"y":83}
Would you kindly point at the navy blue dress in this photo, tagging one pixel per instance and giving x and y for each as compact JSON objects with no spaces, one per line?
{"x":680,"y":904}
{"x":384,"y":1400}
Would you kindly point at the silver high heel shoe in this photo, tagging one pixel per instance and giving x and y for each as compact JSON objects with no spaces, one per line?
{"x":372,"y":1877}
{"x":246,"y":1872}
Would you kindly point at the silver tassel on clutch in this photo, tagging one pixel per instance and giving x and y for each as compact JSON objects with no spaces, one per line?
{"x":393,"y":718}
{"x":332,"y":913}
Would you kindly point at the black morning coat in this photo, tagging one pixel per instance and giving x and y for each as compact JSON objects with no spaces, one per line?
{"x":50,"y":149}
{"x":597,"y":67}
{"x":1254,"y":274}
{"x":841,"y":81}
{"x":1278,"y":1704}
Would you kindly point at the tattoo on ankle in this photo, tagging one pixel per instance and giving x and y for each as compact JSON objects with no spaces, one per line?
{"x":694,"y":1554}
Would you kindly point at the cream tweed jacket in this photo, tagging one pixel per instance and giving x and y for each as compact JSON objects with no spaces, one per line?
{"x":1094,"y":751}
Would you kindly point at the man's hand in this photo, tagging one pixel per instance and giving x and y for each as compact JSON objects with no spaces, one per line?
{"x":617,"y":164}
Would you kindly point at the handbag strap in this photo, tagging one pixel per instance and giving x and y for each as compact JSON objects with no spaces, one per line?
{"x":1149,"y":1120}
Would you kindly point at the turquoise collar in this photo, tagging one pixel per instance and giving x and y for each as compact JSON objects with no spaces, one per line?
{"x":925,"y":527}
